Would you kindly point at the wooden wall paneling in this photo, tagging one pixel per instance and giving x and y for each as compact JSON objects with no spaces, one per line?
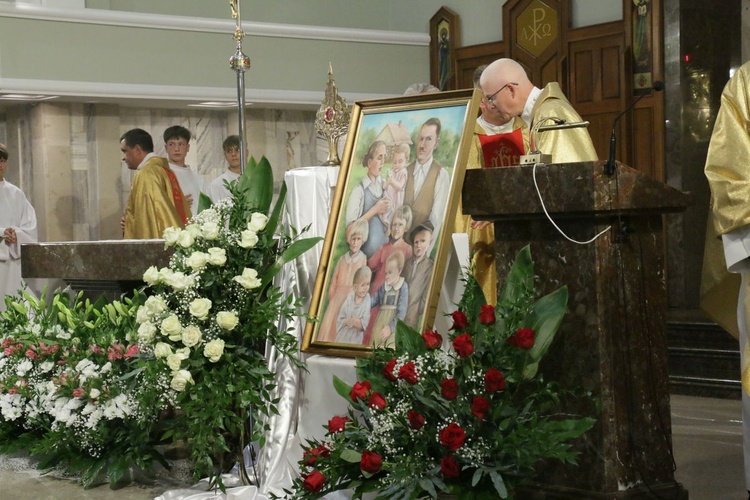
{"x":472,"y":56}
{"x":535,"y":33}
{"x":597,"y":79}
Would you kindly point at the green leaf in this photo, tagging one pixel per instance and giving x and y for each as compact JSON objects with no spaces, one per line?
{"x":204,"y":202}
{"x":295,"y":250}
{"x":497,"y":481}
{"x":256,"y":184}
{"x":275,"y":217}
{"x":342,"y":388}
{"x":351,"y":456}
{"x":409,"y":340}
{"x":545,"y":319}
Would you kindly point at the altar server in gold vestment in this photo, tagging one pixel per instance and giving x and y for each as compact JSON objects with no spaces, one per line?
{"x":726,"y":262}
{"x":17,"y":226}
{"x":156,"y":201}
{"x":491,"y":121}
{"x":506,"y":86}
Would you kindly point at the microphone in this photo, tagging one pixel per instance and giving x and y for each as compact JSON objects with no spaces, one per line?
{"x":609,"y":167}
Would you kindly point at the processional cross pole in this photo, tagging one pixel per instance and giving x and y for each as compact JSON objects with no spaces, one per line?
{"x":239,"y":62}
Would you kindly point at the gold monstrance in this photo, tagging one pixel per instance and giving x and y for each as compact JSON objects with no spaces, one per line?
{"x":332,"y":119}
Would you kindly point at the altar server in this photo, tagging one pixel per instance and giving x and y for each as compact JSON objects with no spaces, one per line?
{"x":17,"y":226}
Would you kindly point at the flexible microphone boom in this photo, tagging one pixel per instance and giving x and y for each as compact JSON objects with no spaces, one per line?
{"x":609,"y":167}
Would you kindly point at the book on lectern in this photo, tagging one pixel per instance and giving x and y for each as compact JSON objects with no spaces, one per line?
{"x":502,"y":150}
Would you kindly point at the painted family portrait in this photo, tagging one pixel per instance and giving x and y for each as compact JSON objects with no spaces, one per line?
{"x":394,"y":206}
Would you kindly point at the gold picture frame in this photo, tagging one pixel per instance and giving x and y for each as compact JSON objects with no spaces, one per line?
{"x":407,"y":233}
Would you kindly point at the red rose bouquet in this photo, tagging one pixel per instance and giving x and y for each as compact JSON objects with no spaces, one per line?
{"x":471,"y":421}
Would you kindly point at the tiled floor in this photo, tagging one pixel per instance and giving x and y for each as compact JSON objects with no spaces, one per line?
{"x":707,"y":437}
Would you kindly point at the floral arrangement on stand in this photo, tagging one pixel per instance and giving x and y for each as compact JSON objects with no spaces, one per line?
{"x":203,"y":328}
{"x":96,"y":389}
{"x":472,"y":421}
{"x":61,"y":391}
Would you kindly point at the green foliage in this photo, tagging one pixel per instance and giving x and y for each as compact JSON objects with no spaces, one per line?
{"x":473,"y":421}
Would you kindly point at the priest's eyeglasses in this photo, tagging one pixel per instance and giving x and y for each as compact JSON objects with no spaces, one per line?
{"x":490,"y":98}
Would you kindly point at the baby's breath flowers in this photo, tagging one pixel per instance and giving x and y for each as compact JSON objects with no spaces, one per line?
{"x":470,"y":420}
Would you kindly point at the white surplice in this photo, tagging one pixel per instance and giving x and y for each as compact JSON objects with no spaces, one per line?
{"x":15,"y":212}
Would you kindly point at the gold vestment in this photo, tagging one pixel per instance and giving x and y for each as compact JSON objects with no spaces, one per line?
{"x":482,"y":241}
{"x":566,"y":145}
{"x":728,"y":175}
{"x":151,"y":209}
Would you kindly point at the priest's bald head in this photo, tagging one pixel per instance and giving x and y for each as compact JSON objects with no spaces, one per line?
{"x":506,"y":86}
{"x":135,"y":144}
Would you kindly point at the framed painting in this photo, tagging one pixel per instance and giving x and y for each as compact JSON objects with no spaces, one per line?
{"x":391,"y":220}
{"x":445,"y":37}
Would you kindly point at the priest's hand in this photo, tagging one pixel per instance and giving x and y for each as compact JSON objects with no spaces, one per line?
{"x":480,"y":224}
{"x":9,"y":236}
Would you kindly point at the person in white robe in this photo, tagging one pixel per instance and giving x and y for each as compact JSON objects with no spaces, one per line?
{"x":17,"y":226}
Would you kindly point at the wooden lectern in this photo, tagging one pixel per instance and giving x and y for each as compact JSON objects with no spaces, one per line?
{"x":612,"y":341}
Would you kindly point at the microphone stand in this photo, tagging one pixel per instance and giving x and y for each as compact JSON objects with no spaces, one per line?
{"x":610,"y":166}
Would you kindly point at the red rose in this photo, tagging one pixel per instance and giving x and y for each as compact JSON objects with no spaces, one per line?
{"x":480,"y":407}
{"x":314,"y":481}
{"x":416,"y":420}
{"x":459,"y":320}
{"x":311,"y":455}
{"x":388,"y":370}
{"x":432,"y":339}
{"x":337,"y":424}
{"x":523,"y":338}
{"x":360,"y":390}
{"x":449,"y":388}
{"x":463,"y":345}
{"x":452,"y":437}
{"x":376,"y":401}
{"x":371,"y":462}
{"x":487,"y":314}
{"x":449,"y":467}
{"x":493,"y":381}
{"x":408,"y":372}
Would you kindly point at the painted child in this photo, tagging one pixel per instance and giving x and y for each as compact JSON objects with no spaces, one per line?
{"x":341,"y":279}
{"x":355,"y":311}
{"x":400,"y":225}
{"x":418,"y":272}
{"x":392,"y":298}
{"x":395,"y":181}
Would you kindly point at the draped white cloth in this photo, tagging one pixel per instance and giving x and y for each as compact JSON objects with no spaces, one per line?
{"x":15,"y":212}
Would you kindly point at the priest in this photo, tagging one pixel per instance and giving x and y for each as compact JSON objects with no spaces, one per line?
{"x":726,"y":262}
{"x":17,"y":226}
{"x":156,"y":201}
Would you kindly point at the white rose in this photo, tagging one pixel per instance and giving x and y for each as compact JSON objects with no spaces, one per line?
{"x":186,"y":239}
{"x":249,"y":239}
{"x":199,"y":308}
{"x":171,"y":235}
{"x":197,"y":261}
{"x":249,"y":279}
{"x":165,"y":274}
{"x":210,"y":230}
{"x":26,"y":365}
{"x":180,"y":380}
{"x":94,"y":393}
{"x":174,"y":361}
{"x":193,"y":229}
{"x":151,"y":276}
{"x":142,"y":315}
{"x":162,"y":350}
{"x":179,"y":281}
{"x":257,"y":222}
{"x":191,"y":335}
{"x":227,"y":320}
{"x":146,"y":332}
{"x":171,"y":325}
{"x":217,"y":256}
{"x":214,"y":350}
{"x":155,"y":305}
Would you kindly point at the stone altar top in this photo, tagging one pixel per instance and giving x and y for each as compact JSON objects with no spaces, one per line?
{"x":110,"y":260}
